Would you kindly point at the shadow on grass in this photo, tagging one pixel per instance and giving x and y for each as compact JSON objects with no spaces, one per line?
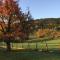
{"x":29,"y":54}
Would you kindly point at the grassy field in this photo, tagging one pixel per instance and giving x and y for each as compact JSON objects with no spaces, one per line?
{"x":54,"y":54}
{"x":51,"y":45}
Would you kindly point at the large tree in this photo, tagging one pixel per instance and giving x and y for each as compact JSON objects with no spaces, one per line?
{"x":10,"y":15}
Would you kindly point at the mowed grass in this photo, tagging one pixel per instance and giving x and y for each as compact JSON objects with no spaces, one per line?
{"x":52,"y":44}
{"x":32,"y":55}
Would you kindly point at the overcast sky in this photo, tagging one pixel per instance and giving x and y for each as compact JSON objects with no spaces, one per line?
{"x":42,"y":8}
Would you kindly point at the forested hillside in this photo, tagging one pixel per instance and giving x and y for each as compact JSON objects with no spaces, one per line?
{"x":45,"y":27}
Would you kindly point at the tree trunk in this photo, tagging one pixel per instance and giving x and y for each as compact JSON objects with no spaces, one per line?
{"x":8,"y":46}
{"x":46,"y":46}
{"x":8,"y":31}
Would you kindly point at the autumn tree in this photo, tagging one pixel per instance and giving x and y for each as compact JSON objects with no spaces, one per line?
{"x":10,"y":14}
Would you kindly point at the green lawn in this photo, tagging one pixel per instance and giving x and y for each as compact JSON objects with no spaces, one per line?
{"x":52,"y":44}
{"x":53,"y":54}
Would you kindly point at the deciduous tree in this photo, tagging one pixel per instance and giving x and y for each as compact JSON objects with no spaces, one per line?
{"x":11,"y":14}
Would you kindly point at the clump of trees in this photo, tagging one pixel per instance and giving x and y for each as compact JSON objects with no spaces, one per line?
{"x":48,"y":27}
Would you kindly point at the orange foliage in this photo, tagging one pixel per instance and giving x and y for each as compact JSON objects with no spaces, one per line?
{"x":9,"y":9}
{"x":47,"y":32}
